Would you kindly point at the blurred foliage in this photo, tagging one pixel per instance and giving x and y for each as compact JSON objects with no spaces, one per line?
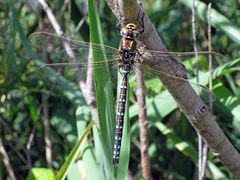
{"x":173,"y":155}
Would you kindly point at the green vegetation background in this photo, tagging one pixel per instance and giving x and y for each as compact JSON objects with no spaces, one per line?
{"x":173,"y":143}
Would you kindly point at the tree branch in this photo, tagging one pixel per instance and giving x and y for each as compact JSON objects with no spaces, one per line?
{"x":188,"y":101}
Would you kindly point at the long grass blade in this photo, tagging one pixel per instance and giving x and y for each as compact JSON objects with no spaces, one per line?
{"x":104,"y":94}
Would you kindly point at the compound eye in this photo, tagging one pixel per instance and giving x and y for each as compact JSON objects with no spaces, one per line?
{"x":124,"y":31}
{"x":135,"y":34}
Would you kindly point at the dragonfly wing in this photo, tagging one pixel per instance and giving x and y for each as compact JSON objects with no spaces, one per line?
{"x":71,"y":57}
{"x":58,"y":47}
{"x":152,"y":72}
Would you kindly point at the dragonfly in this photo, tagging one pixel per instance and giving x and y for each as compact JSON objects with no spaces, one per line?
{"x":123,"y":60}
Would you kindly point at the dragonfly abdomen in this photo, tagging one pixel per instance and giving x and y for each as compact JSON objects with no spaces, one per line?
{"x":120,"y":119}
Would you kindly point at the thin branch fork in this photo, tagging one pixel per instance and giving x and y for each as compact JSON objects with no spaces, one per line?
{"x":188,"y":101}
{"x":47,"y":134}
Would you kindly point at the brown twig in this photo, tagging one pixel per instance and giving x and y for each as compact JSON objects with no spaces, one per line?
{"x":143,"y":124}
{"x":200,"y":141}
{"x":31,"y":136}
{"x":195,"y":39}
{"x":47,"y":134}
{"x":210,"y":58}
{"x":84,"y":18}
{"x":67,"y":7}
{"x":6,"y":161}
{"x":205,"y":146}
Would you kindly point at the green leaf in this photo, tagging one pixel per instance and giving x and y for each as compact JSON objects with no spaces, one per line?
{"x":154,"y":111}
{"x":226,"y":68}
{"x":89,"y":161}
{"x":73,"y":155}
{"x":40,"y":174}
{"x":230,"y":103}
{"x":76,"y":171}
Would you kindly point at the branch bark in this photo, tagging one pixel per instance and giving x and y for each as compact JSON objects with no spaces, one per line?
{"x":188,"y":101}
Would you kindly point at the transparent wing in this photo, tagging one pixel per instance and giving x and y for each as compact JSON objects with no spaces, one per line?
{"x":59,"y":46}
{"x":73,"y":58}
{"x":167,"y":59}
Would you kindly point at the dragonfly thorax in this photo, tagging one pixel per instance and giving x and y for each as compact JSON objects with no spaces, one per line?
{"x":127,"y":50}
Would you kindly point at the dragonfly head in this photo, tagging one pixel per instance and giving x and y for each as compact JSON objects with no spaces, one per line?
{"x":130,"y":31}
